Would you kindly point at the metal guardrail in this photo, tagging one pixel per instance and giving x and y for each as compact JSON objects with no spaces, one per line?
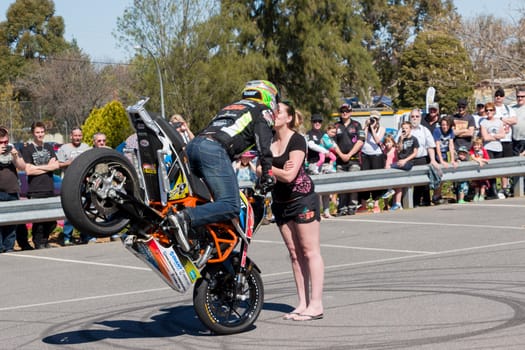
{"x":391,"y":178}
{"x":31,"y":210}
{"x":45,"y":209}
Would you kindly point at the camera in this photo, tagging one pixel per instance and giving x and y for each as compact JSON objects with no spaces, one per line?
{"x":403,"y":132}
{"x":8,"y":148}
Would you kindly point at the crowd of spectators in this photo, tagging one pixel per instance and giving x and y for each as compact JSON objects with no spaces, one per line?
{"x":40,"y":163}
{"x":495,"y":130}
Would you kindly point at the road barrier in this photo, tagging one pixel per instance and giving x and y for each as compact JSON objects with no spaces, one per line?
{"x":46,"y":209}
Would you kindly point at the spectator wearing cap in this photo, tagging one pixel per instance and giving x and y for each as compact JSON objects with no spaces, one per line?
{"x":464,"y":125}
{"x":508,"y":117}
{"x":316,"y":152}
{"x":349,"y":138}
{"x":245,"y":168}
{"x":478,"y":117}
{"x":518,"y":129}
{"x":431,"y":119}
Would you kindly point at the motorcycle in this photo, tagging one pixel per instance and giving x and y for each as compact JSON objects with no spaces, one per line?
{"x":106,"y":192}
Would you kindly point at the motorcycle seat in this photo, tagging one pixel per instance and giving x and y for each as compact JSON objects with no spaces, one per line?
{"x":196,"y":183}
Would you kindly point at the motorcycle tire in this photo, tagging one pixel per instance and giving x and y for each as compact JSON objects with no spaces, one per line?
{"x":220,"y":307}
{"x":86,"y":211}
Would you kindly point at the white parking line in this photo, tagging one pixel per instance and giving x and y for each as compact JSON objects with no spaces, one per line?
{"x":78,"y":261}
{"x":521,"y":228}
{"x":356,"y":248}
{"x":376,"y":261}
{"x":83,"y":299}
{"x":419,"y":254}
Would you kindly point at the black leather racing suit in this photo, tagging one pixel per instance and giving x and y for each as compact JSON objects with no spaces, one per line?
{"x":242,"y":125}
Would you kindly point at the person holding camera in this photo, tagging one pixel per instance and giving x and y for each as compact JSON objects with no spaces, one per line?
{"x":179,"y":123}
{"x":372,"y":157}
{"x":10,"y":162}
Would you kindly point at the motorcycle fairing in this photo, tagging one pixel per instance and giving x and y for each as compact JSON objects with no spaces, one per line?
{"x":177,"y":271}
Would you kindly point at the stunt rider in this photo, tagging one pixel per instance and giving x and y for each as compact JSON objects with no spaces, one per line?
{"x":235,"y":129}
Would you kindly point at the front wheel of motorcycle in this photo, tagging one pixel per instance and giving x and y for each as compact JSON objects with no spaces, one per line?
{"x":91,"y":175}
{"x":222,"y":305}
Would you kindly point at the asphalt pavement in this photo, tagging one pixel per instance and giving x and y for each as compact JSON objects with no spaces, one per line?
{"x":442,"y":277}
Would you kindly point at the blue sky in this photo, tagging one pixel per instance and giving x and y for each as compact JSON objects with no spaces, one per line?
{"x":91,"y":22}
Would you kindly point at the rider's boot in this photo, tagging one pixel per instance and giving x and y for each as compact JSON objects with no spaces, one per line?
{"x":181,"y":223}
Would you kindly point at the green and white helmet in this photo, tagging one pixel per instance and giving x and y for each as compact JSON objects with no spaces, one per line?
{"x":262,"y":91}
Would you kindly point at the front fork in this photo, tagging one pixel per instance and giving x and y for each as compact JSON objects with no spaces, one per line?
{"x":244,"y":266}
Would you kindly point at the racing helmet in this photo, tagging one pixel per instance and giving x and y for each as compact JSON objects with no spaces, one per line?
{"x":262,"y":91}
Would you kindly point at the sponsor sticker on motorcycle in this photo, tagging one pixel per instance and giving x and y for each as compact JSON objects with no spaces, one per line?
{"x":149,"y":168}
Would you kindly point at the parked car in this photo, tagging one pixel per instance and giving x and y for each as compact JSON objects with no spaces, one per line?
{"x":57,"y":181}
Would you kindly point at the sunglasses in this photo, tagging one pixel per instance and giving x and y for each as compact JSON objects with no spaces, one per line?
{"x":520,"y":96}
{"x":415,"y":116}
{"x":317,"y":122}
{"x":489,"y":110}
{"x":4,"y":142}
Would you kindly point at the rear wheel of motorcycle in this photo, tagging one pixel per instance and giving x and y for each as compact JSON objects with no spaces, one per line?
{"x":218,"y":305}
{"x":88,"y":212}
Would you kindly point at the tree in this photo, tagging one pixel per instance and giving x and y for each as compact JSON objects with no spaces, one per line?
{"x":394,"y":24}
{"x":30,"y":31}
{"x":496,"y":46}
{"x":439,"y":60}
{"x":66,"y":87}
{"x":112,"y":120}
{"x":166,"y":29}
{"x":308,"y":48}
{"x":320,"y":53}
{"x":10,"y":113}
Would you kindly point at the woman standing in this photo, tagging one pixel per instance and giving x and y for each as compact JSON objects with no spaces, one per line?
{"x":492,"y":130}
{"x":296,"y":210}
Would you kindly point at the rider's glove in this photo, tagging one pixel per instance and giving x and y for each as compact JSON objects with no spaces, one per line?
{"x":266,"y":183}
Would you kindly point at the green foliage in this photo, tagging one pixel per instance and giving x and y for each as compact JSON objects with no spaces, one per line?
{"x":10,"y":113}
{"x":112,"y":120}
{"x":212,"y":69}
{"x":316,"y":51}
{"x":30,"y":31}
{"x":439,"y":60}
{"x":394,"y":24}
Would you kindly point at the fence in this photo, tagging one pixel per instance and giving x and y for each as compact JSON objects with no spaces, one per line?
{"x":38,"y":210}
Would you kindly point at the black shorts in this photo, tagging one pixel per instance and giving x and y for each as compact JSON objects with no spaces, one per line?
{"x":301,"y":211}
